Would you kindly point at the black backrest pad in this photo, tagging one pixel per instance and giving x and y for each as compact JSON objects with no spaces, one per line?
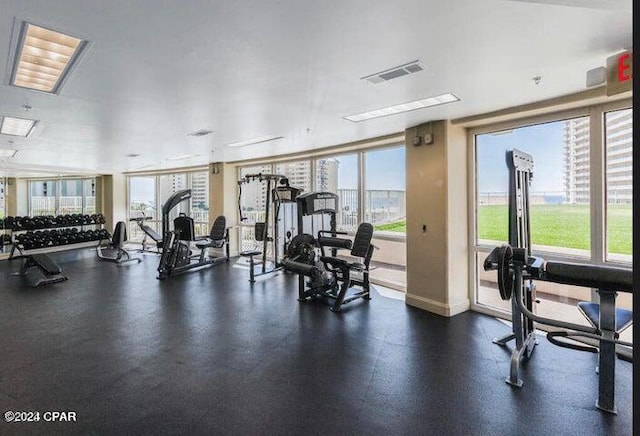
{"x":152,"y":233}
{"x":119,"y":233}
{"x":362,"y":241}
{"x":184,"y":225}
{"x":218,"y":229}
{"x":259,"y":230}
{"x":593,"y":276}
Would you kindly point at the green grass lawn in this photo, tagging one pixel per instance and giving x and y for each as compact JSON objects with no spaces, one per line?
{"x":557,"y":225}
{"x":561,"y":225}
{"x":398,"y":226}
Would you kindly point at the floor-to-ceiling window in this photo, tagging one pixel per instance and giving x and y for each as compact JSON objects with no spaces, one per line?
{"x":70,"y":197}
{"x":3,"y":203}
{"x":199,"y":184}
{"x":385,"y":208}
{"x":370,"y":185}
{"x":142,"y":204}
{"x":89,"y":196}
{"x":340,"y":174}
{"x":62,"y":196}
{"x":574,"y":215}
{"x":253,"y":204}
{"x":42,"y":197}
{"x":148,"y":194}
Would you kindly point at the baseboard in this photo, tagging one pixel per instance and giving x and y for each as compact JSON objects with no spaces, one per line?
{"x":437,"y":307}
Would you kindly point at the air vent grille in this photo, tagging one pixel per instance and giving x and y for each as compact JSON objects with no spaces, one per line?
{"x":395,"y":72}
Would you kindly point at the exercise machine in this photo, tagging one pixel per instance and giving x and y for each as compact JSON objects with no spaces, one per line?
{"x":43,"y":268}
{"x":267,"y":234}
{"x":341,"y":279}
{"x":177,"y":256}
{"x":148,"y":233}
{"x":517,"y":270}
{"x":115,"y":251}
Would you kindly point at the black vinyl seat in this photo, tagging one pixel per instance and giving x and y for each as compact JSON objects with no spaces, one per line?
{"x":218,"y":236}
{"x":115,"y":251}
{"x":362,"y":250}
{"x":259,"y":235}
{"x":259,"y":230}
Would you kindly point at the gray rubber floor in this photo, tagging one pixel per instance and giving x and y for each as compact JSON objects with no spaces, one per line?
{"x":207,"y":353}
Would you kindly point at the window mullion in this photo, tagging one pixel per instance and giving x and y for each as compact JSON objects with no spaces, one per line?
{"x":361,"y":187}
{"x":596,"y":175}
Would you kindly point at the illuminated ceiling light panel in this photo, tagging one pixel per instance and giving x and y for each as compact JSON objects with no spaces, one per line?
{"x":44,"y":58}
{"x":404,"y":107}
{"x":16,"y":126}
{"x":254,"y":141}
{"x":5,"y":152}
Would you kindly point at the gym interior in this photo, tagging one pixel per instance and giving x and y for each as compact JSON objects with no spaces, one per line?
{"x":288,"y":217}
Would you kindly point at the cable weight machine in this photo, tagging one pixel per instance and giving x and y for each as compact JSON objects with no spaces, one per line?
{"x":280,"y":198}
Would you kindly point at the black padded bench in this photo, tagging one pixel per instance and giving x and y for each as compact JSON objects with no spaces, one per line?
{"x":47,"y":270}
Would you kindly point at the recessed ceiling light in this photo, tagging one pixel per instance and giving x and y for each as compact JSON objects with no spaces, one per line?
{"x":132,"y":155}
{"x":5,"y":152}
{"x":404,"y":107}
{"x":44,"y":58}
{"x":254,"y":141}
{"x":183,"y":156}
{"x":201,"y":132}
{"x":16,"y":126}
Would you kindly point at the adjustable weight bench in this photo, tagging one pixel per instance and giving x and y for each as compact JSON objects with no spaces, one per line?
{"x":148,"y":231}
{"x":47,"y":270}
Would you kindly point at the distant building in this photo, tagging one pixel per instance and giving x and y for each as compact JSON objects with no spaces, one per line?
{"x":298,"y":173}
{"x":199,"y":189}
{"x":576,"y":160}
{"x":618,"y":155}
{"x":327,"y":175}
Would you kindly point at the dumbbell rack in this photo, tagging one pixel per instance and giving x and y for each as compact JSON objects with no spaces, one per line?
{"x":18,"y":247}
{"x":5,"y":236}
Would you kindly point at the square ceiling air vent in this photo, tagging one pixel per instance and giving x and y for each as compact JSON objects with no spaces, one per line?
{"x":395,"y":72}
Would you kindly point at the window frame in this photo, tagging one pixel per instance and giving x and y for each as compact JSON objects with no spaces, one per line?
{"x":158,"y":204}
{"x":58,"y":191}
{"x":598,"y":206}
{"x":361,"y":187}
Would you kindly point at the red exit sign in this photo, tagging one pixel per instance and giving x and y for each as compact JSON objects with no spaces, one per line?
{"x":619,"y":73}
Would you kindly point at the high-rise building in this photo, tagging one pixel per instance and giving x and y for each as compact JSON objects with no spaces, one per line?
{"x":576,"y":160}
{"x":298,"y":173}
{"x":199,"y":190}
{"x":618,"y":158}
{"x":327,"y":175}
